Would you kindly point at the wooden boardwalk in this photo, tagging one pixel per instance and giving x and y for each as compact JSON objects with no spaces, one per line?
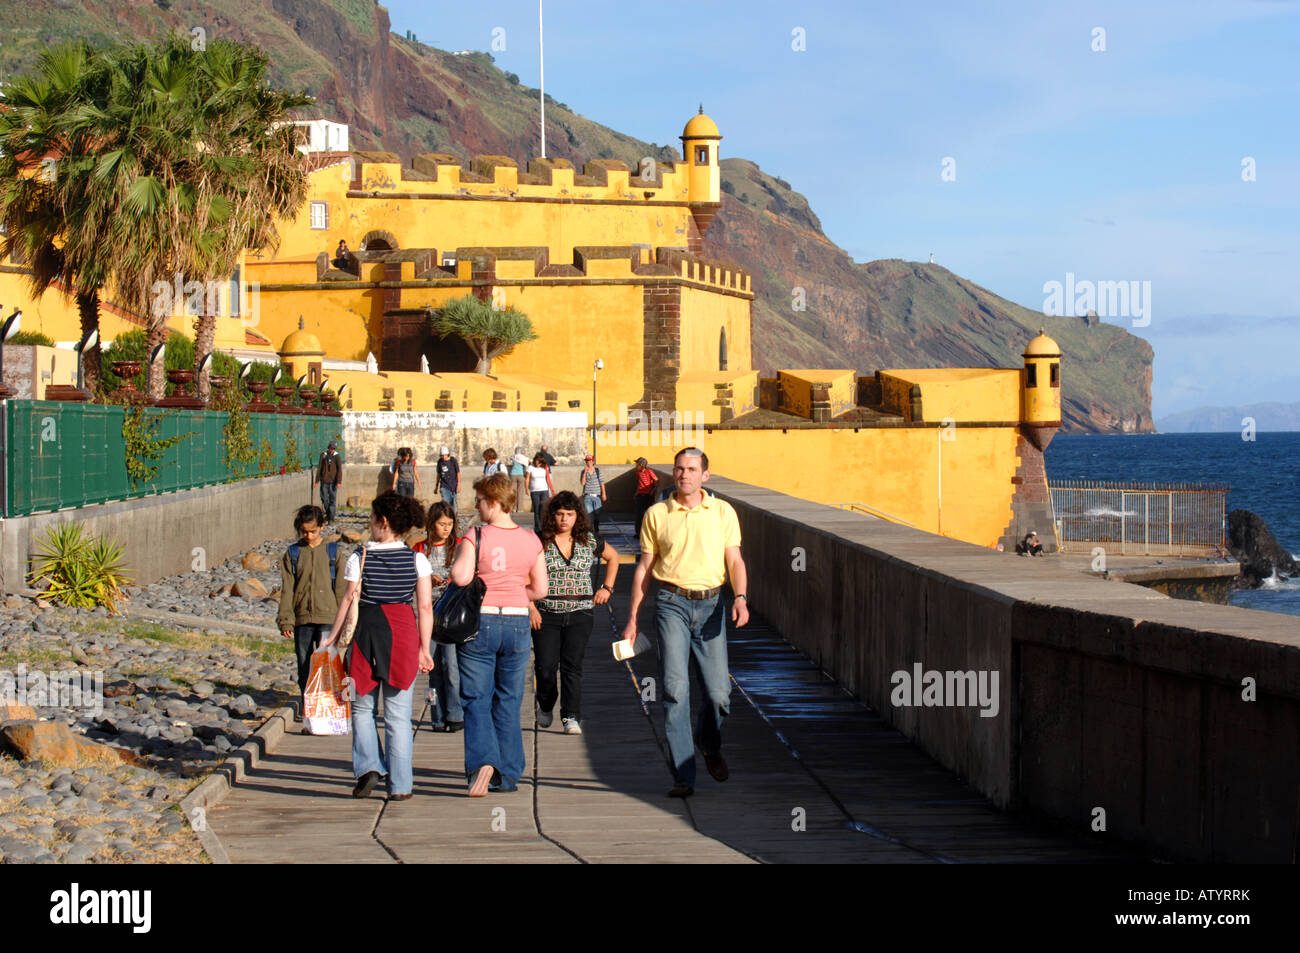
{"x":816,"y":776}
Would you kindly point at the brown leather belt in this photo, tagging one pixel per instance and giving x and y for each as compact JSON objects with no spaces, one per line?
{"x":691,"y":594}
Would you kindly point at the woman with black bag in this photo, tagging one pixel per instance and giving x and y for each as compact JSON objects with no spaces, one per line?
{"x":494,"y":666}
{"x":390,"y":645}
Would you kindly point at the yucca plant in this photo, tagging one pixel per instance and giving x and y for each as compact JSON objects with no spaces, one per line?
{"x":79,"y":568}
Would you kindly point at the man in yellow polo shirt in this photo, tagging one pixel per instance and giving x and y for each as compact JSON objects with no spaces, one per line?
{"x":690,"y":544}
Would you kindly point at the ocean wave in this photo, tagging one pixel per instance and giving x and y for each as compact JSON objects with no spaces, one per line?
{"x":1106,"y":511}
{"x":1280,"y":582}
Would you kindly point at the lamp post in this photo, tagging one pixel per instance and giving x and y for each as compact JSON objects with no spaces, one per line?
{"x":598,"y":366}
{"x":11,"y":327}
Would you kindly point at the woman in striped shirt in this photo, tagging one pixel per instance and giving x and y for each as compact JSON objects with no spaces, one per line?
{"x":494,"y":667}
{"x":387,"y":650}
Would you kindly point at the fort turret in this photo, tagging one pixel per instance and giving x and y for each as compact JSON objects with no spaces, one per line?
{"x":1040,"y":391}
{"x":700,"y":141}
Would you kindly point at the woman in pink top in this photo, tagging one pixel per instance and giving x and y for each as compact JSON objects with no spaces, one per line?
{"x":494,"y":667}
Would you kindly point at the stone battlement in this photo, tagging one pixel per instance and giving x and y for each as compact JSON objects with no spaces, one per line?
{"x":518,"y":263}
{"x":441,"y":175}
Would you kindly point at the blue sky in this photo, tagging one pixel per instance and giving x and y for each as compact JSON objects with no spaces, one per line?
{"x":1122,"y":164}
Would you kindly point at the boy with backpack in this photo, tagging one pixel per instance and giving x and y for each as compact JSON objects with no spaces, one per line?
{"x":311,"y":585}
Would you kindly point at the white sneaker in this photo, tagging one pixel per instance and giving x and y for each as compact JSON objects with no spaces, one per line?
{"x":571,"y":726}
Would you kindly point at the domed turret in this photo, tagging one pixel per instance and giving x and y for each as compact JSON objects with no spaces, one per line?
{"x":700,"y":141}
{"x":1040,"y":408}
{"x":303,"y":354}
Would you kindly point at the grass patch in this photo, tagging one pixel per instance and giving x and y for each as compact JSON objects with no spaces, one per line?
{"x":265,"y":649}
{"x":37,"y":657}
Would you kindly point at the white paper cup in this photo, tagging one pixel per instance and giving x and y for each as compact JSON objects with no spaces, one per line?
{"x":623,"y":650}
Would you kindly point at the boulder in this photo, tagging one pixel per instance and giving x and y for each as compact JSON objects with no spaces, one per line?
{"x":355,"y":503}
{"x":222,"y":591}
{"x":255,"y":562}
{"x":349,"y":536}
{"x":249,"y":589}
{"x":55,"y":743}
{"x":1260,"y":555}
{"x":16,"y":713}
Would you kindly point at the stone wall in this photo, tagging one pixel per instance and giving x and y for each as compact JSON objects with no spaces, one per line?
{"x":370,"y":441}
{"x":1110,"y":695}
{"x":164,"y":535}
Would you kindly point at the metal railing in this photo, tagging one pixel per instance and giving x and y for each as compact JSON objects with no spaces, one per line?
{"x":60,"y":454}
{"x":1140,"y":519}
{"x":872,"y":511}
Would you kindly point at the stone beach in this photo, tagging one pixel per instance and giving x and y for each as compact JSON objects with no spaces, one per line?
{"x":178,"y":697}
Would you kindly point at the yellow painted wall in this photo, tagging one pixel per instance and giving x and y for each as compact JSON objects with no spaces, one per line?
{"x":796,"y":390}
{"x":468,"y":392}
{"x":704,"y":314}
{"x":895,"y":470}
{"x":575,"y":325}
{"x":493,"y":219}
{"x":960,"y":393}
{"x":696,"y":394}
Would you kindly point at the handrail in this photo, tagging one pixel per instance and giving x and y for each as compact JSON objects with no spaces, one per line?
{"x":872,"y":511}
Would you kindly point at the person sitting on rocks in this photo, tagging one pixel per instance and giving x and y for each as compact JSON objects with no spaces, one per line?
{"x":1030,"y":546}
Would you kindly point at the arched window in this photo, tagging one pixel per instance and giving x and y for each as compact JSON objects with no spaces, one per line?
{"x":722,"y":350}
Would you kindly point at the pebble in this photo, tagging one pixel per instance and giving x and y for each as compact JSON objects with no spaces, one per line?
{"x":51,"y":814}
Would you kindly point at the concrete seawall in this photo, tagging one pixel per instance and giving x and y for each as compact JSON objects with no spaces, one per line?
{"x":165,"y":534}
{"x":1110,"y":696}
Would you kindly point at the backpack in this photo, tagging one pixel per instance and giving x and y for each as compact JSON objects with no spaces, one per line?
{"x":332,"y":548}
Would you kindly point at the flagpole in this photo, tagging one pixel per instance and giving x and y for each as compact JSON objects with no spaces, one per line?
{"x":541,"y":70}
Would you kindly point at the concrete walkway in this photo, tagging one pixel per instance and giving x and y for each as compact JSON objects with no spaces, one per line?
{"x":815,"y":777}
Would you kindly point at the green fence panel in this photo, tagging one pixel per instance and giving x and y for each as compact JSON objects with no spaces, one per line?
{"x":61,"y":455}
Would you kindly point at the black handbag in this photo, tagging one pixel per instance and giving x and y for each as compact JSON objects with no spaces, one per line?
{"x":455,"y":617}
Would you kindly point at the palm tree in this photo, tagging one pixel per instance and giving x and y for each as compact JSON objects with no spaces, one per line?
{"x":168,"y":161}
{"x":211,"y":162}
{"x":48,"y":205}
{"x":488,"y":332}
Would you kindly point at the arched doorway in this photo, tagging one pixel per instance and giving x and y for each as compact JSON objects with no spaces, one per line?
{"x":380,"y":239}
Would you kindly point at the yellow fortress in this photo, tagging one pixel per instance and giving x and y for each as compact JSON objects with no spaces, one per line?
{"x":606,"y":264}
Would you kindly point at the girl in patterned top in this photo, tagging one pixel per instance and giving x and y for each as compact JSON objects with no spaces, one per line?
{"x":439,"y":545}
{"x":562,"y":621}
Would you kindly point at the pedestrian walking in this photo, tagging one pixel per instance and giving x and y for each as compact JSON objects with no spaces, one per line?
{"x":540,"y":488}
{"x":494,"y":666}
{"x":690,"y":544}
{"x":448,"y":476}
{"x":391,"y":643}
{"x":562,"y":621}
{"x":406,"y":475}
{"x":310,"y":589}
{"x":519,"y":474}
{"x":546,"y":456}
{"x":329,"y":474}
{"x":593,"y":491}
{"x":491,"y":464}
{"x":439,"y":546}
{"x":647,"y":481}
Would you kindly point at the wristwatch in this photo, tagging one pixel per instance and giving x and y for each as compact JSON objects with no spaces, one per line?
{"x":741,"y":595}
{"x":610,"y":591}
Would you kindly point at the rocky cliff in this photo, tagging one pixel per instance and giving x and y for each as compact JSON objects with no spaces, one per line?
{"x":404,"y":96}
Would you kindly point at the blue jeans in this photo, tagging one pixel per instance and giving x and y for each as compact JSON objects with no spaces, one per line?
{"x":445,"y":680}
{"x":448,"y":496}
{"x":693,"y":627}
{"x":493,"y":673}
{"x":367,"y":755}
{"x":592,"y":505}
{"x":329,"y":494}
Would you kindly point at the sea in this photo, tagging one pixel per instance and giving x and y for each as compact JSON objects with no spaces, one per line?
{"x":1263,"y":475}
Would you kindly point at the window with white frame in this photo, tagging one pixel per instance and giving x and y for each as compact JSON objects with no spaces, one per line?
{"x":320,"y":215}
